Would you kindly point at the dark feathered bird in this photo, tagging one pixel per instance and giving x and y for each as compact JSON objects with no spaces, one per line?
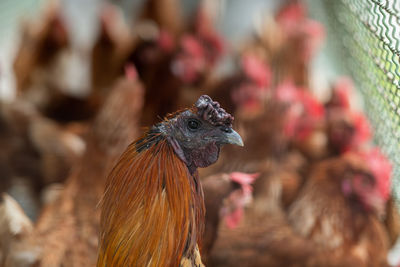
{"x":153,"y":207}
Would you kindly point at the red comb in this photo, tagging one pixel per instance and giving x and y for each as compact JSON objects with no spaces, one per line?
{"x":244,"y":178}
{"x":192,"y":46}
{"x":130,"y":72}
{"x":381,"y":167}
{"x":232,"y":219}
{"x":256,"y":70}
{"x":303,"y":113}
{"x":313,"y":107}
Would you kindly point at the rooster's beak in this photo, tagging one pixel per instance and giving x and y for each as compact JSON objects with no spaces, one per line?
{"x":233,"y":138}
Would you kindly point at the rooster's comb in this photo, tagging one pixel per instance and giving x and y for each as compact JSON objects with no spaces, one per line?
{"x":212,"y":112}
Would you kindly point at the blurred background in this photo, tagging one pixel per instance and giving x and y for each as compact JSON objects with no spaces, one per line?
{"x":312,"y":84}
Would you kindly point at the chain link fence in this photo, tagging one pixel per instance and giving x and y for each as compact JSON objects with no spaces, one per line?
{"x":365,"y":37}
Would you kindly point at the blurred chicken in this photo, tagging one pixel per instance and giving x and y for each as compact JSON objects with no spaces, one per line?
{"x":304,"y":118}
{"x":346,"y":129}
{"x":304,"y":36}
{"x":350,"y":130}
{"x":288,"y":42}
{"x":41,"y":42}
{"x":109,"y":53}
{"x":260,"y":119}
{"x":225,"y":196}
{"x":335,"y":221}
{"x":35,"y":150}
{"x":67,"y":230}
{"x":50,"y":71}
{"x":341,"y":204}
{"x":179,"y":65}
{"x":247,"y":88}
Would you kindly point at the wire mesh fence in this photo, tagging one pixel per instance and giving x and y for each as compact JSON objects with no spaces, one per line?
{"x":367,"y":34}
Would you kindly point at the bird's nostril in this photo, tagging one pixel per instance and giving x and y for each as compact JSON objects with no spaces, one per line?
{"x":226,"y":129}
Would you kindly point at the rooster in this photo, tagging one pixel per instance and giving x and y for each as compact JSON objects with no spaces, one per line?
{"x":153,"y":208}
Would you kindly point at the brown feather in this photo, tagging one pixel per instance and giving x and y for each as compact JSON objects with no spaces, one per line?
{"x":162,"y":199}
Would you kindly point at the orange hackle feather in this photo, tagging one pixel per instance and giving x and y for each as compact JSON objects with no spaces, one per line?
{"x":151,"y":209}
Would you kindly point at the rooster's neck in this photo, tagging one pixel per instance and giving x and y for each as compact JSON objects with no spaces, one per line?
{"x":152,"y":209}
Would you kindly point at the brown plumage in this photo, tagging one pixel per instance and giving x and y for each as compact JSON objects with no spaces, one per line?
{"x":326,"y":226}
{"x":339,"y":207}
{"x":160,"y":211}
{"x":153,"y":208}
{"x":225,"y":196}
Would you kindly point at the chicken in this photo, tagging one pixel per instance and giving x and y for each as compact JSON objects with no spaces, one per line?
{"x":169,"y":66}
{"x":44,"y":62}
{"x":153,"y":207}
{"x":67,"y":230}
{"x":339,"y":207}
{"x":303,"y":37}
{"x":225,"y":196}
{"x":333,"y":222}
{"x":259,"y":120}
{"x":41,"y":42}
{"x":247,"y":88}
{"x":304,"y":119}
{"x":287,"y":42}
{"x":346,"y":129}
{"x":110,"y":51}
{"x":265,"y":237}
{"x":35,"y":152}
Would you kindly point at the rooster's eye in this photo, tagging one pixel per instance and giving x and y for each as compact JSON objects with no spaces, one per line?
{"x":193,"y":124}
